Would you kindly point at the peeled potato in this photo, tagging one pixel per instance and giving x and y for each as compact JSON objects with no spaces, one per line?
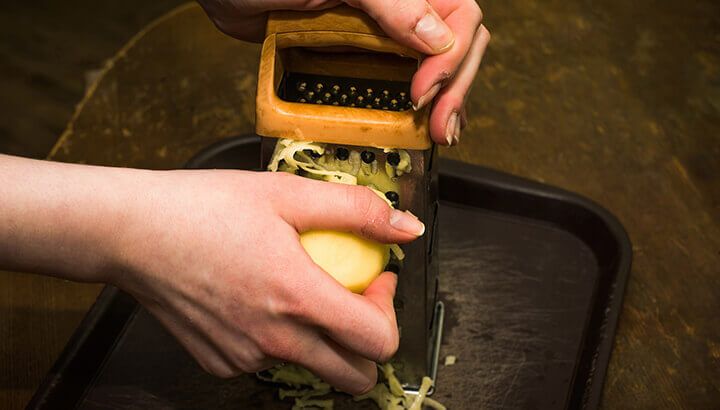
{"x":351,"y":260}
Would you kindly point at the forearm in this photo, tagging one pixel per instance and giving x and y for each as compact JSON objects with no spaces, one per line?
{"x":61,"y":219}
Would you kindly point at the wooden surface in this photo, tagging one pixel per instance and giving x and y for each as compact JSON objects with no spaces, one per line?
{"x":616,"y":101}
{"x":48,"y":53}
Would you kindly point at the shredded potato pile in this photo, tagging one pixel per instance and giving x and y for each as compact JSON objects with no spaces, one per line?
{"x":308,"y":390}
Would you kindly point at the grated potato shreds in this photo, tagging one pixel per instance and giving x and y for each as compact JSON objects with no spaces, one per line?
{"x":293,"y":154}
{"x":418,"y":400}
{"x":286,"y":150}
{"x":302,"y":403}
{"x":307,"y":390}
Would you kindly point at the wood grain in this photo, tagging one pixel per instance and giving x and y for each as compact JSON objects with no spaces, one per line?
{"x":617,"y":101}
{"x":47,"y":52}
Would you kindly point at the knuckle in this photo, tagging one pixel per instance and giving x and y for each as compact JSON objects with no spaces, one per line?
{"x":454,"y":97}
{"x":359,"y":199}
{"x":275,"y":349}
{"x":389,"y":345}
{"x":250,"y":367}
{"x":370,"y":208}
{"x":291,"y":354}
{"x":407,"y":13}
{"x":222,"y":371}
{"x":366,"y":388}
{"x":458,"y":100}
{"x":448,"y":74}
{"x":284,"y":350}
{"x":379,"y":352}
{"x":294,"y":305}
{"x":404,"y":16}
{"x":476,"y":13}
{"x":287,"y":297}
{"x":282,"y":177}
{"x":249,"y":360}
{"x":485,"y":34}
{"x":274,"y":184}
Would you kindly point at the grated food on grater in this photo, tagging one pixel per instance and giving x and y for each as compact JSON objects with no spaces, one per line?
{"x":315,"y":160}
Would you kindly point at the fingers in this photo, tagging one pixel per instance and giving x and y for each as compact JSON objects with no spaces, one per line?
{"x":412,"y":22}
{"x":447,"y":117}
{"x":196,"y":345}
{"x":365,"y":324}
{"x":321,"y":205}
{"x":451,"y":34}
{"x":219,"y":351}
{"x":343,"y":334}
{"x":463,"y":18}
{"x":337,"y":366}
{"x":345,"y":371}
{"x":381,"y":292}
{"x":289,"y":341}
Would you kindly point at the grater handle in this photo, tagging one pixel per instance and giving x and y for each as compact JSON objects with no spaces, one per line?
{"x":349,"y":26}
{"x":340,"y":19}
{"x":334,"y":30}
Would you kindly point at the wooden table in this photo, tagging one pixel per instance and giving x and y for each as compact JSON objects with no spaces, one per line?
{"x":600,"y":100}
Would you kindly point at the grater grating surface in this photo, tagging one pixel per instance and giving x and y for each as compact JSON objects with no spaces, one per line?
{"x":345,"y":91}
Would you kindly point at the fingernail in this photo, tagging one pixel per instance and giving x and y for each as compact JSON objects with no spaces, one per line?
{"x":422,"y":101}
{"x":458,"y":131}
{"x":450,"y":128}
{"x":406,"y":222}
{"x":434,"y":32}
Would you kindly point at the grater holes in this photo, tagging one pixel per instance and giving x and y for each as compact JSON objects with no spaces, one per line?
{"x":346,"y":92}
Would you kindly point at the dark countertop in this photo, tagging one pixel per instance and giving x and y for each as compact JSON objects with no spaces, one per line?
{"x":618,"y":102}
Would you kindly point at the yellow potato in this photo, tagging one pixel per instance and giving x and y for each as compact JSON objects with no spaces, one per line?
{"x":351,"y":260}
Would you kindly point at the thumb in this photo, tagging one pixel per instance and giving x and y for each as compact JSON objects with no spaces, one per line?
{"x":350,"y":208}
{"x":381,"y":292}
{"x":412,"y":22}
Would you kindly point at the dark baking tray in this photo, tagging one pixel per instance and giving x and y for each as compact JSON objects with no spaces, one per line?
{"x":532,"y":278}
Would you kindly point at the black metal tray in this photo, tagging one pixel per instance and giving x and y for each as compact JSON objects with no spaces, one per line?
{"x":532,"y":278}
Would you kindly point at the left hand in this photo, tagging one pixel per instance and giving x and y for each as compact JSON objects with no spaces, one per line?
{"x":448,"y":31}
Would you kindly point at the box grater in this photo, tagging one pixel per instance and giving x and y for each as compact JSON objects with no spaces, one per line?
{"x":334,"y":77}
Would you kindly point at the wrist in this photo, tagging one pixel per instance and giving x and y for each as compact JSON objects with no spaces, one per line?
{"x":142,"y":232}
{"x":125,"y":233}
{"x":61,"y":219}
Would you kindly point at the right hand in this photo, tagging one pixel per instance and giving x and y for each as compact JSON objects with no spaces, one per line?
{"x":215,"y":256}
{"x":449,"y":32}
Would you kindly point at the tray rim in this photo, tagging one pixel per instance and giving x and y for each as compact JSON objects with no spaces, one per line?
{"x":587,"y":396}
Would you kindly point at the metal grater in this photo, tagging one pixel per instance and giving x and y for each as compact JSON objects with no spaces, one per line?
{"x":334,"y":77}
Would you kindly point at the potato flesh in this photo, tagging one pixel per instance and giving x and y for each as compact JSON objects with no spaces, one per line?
{"x":353,"y":261}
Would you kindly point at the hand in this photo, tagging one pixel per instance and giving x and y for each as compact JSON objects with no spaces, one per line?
{"x":215,"y":256}
{"x":448,"y":31}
